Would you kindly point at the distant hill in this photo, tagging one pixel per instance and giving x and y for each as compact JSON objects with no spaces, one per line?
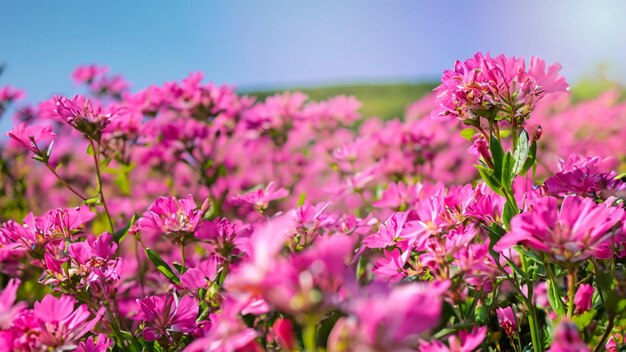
{"x":383,"y":100}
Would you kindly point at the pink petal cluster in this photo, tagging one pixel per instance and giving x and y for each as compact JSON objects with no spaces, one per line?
{"x":576,"y":230}
{"x":484,"y":83}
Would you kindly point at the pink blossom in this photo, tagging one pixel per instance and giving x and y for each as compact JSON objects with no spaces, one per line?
{"x":583,"y":296}
{"x":8,"y":95}
{"x":8,"y":308}
{"x":35,"y":138}
{"x":226,"y":332}
{"x":283,"y":333}
{"x":480,"y":148}
{"x":311,"y":280}
{"x":84,"y":115}
{"x":88,"y":73}
{"x":164,"y":314}
{"x":392,"y":318}
{"x":465,"y":342}
{"x":483,"y":83}
{"x":202,"y":275}
{"x":567,"y":339}
{"x":399,"y":196}
{"x":507,"y":320}
{"x":399,"y":229}
{"x":583,"y":176}
{"x":61,"y":324}
{"x":261,"y":198}
{"x":94,"y":261}
{"x":178,"y":218}
{"x":91,"y":345}
{"x":579,"y":229}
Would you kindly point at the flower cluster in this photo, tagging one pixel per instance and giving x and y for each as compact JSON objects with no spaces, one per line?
{"x":498,"y":87}
{"x":187,"y":217}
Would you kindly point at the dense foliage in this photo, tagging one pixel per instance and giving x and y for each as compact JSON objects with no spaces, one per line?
{"x":188,"y":217}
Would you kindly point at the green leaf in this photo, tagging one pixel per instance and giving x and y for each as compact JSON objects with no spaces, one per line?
{"x":507,"y":170}
{"x":301,"y":199}
{"x":515,"y":268}
{"x":89,"y":150}
{"x":583,"y":320}
{"x":156,"y":347}
{"x":606,"y":286}
{"x":495,"y":233}
{"x":531,"y":159}
{"x":487,"y":175}
{"x":92,"y":200}
{"x":468,"y":133}
{"x":520,"y":155}
{"x":505,"y":133}
{"x":498,"y":155}
{"x":133,"y":344}
{"x":181,"y":269}
{"x":554,"y":296}
{"x":121,"y":233}
{"x":162,"y":266}
{"x":508,"y":213}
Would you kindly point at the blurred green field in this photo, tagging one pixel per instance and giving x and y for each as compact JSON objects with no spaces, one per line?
{"x":390,"y":100}
{"x":382,"y":100}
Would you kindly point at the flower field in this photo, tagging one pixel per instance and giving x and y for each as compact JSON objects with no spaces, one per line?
{"x":188,"y":217}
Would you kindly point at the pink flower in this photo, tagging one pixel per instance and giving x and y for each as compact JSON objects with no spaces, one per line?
{"x":174,"y":217}
{"x":88,"y":73}
{"x":283,"y":333}
{"x":399,"y":229}
{"x":91,"y":345}
{"x":398,"y":196}
{"x":507,"y":321}
{"x":8,"y":308}
{"x":465,"y":342}
{"x":30,"y":136}
{"x":499,"y":84}
{"x":83,"y":115}
{"x":226,"y":332}
{"x":94,"y":261}
{"x":202,"y":275}
{"x":567,"y":339}
{"x":225,"y":237}
{"x":583,"y":176}
{"x":8,"y":95}
{"x":391,"y":318}
{"x":311,"y":280}
{"x":261,"y":198}
{"x":61,"y":324}
{"x":391,"y":266}
{"x":163,"y":314}
{"x":583,"y":296}
{"x":480,"y":148}
{"x":578,"y":230}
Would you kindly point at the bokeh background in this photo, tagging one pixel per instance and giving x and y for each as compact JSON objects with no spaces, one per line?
{"x":386,"y":52}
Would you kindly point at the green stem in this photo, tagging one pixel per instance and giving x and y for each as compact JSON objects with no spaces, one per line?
{"x":535,"y":332}
{"x":571,"y":292}
{"x":224,"y":272}
{"x":606,"y":334}
{"x":309,"y":336}
{"x":96,"y":159}
{"x":182,"y":254}
{"x":67,"y":185}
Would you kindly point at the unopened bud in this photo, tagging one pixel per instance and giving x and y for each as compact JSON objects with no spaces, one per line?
{"x":538,"y":132}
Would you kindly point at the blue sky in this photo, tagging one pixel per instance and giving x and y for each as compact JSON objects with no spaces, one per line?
{"x":281,"y":43}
